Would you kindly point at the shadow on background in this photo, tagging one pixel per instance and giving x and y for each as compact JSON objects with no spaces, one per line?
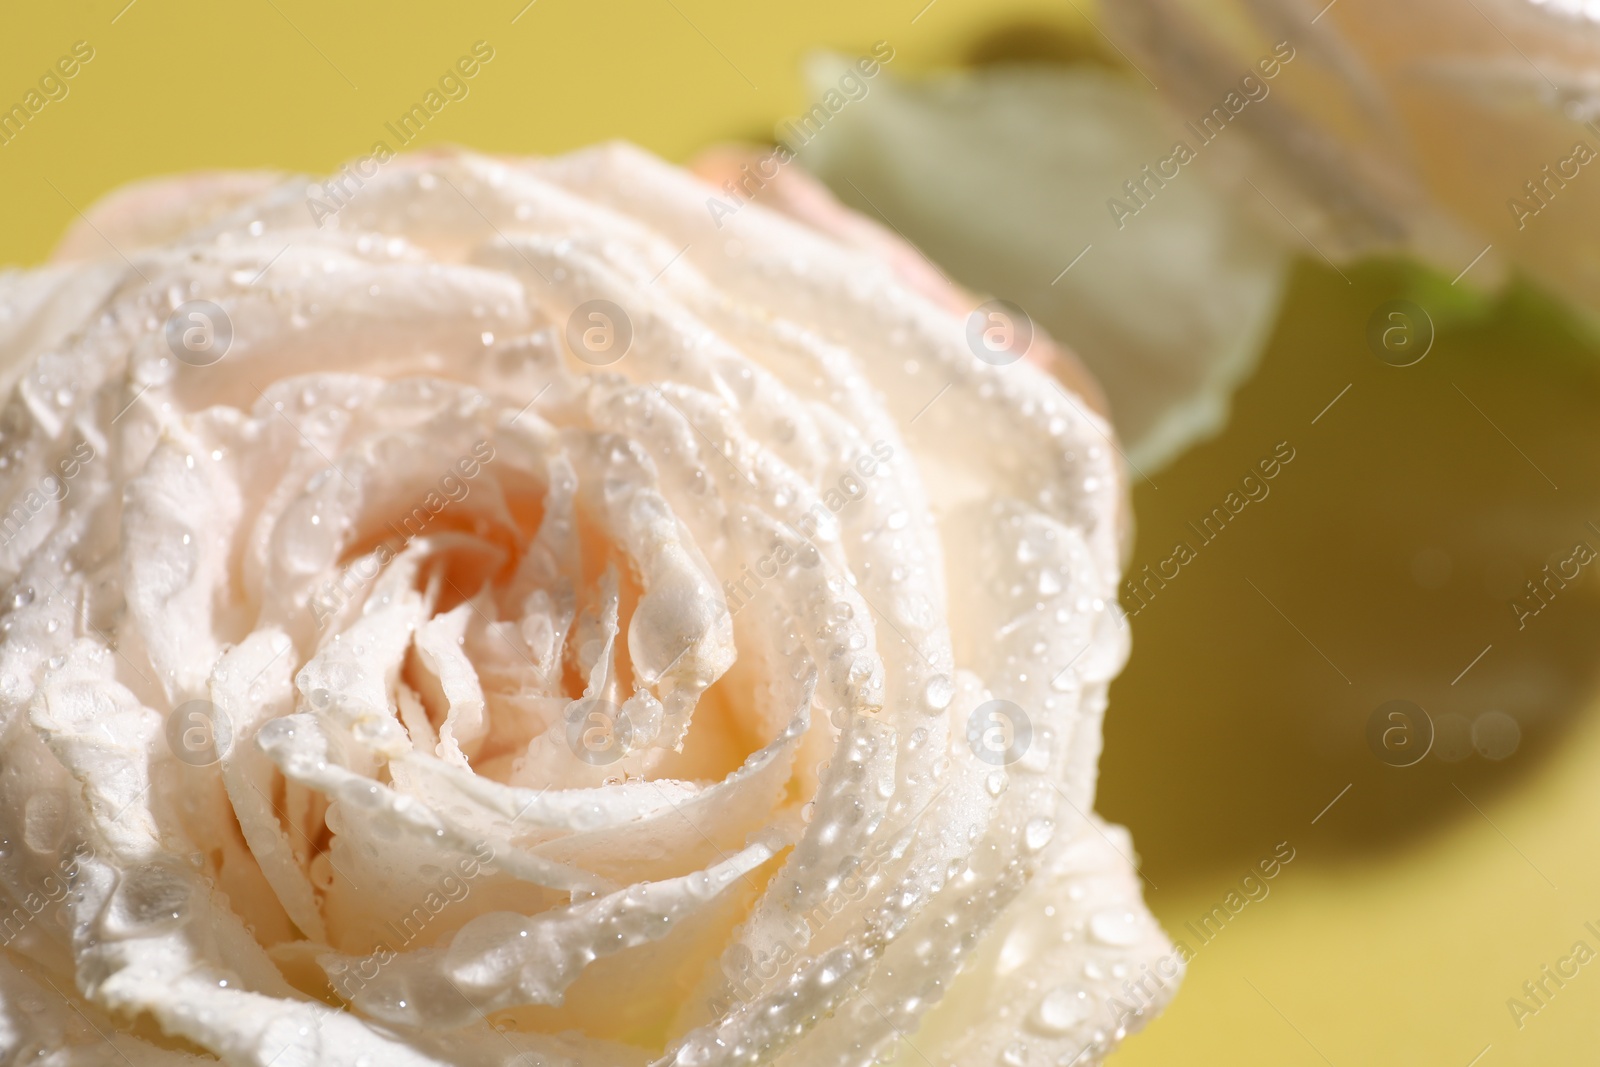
{"x":1383,"y":564}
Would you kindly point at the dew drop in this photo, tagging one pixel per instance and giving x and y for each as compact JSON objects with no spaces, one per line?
{"x":1116,"y":928}
{"x":173,"y":568}
{"x":44,"y":820}
{"x":303,"y":544}
{"x":1061,"y":1009}
{"x":693,"y":1054}
{"x":148,"y":899}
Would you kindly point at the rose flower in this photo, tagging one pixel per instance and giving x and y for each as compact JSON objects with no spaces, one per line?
{"x":509,"y":618}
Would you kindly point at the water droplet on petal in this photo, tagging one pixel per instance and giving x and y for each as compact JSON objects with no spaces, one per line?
{"x":1038,"y":833}
{"x":44,"y":820}
{"x":1061,"y":1009}
{"x":148,"y":899}
{"x":1116,"y":928}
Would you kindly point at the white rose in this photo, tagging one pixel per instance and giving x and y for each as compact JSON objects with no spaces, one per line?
{"x":520,"y":621}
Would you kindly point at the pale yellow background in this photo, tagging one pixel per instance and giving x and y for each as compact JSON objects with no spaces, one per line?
{"x":1407,"y":918}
